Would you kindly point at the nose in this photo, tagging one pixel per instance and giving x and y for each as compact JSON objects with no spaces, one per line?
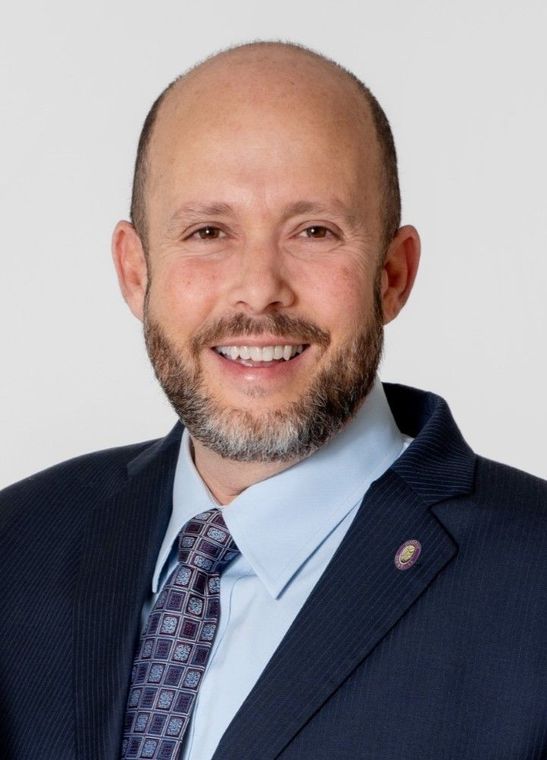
{"x":261,"y":282}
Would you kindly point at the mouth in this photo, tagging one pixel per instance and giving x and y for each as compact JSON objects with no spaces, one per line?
{"x":261,"y":356}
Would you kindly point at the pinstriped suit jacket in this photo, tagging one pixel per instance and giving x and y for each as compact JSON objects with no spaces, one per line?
{"x":446,"y":660}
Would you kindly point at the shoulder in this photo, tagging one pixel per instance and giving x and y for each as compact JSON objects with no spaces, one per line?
{"x":69,"y":482}
{"x":45,"y":518}
{"x":502,"y":520}
{"x":508,"y":488}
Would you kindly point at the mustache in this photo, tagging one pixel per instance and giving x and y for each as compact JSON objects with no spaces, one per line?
{"x":281,"y":325}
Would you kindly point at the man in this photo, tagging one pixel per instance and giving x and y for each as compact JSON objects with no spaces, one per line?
{"x":311,"y":565}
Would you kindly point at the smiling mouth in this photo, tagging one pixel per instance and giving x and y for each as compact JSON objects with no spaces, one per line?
{"x":257,"y":356}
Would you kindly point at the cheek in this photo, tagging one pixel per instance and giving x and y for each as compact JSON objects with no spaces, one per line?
{"x":343,"y":296}
{"x":184,"y":292}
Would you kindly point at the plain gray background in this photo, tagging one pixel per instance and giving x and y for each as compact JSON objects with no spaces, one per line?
{"x":464,"y":87}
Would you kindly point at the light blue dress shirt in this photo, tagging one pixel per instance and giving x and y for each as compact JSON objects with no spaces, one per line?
{"x":287,"y":528}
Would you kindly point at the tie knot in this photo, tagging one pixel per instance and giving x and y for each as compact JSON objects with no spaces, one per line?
{"x":205,"y":543}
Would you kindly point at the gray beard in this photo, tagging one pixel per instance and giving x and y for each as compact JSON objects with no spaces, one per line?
{"x":286,"y":434}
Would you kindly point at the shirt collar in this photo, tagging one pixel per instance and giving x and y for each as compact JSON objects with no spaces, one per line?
{"x":279,"y":522}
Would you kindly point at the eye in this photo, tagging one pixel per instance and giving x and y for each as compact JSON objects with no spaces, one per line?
{"x":206,"y":233}
{"x":318,"y":232}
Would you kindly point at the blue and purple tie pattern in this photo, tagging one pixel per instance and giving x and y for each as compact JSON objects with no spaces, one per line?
{"x":177,"y":641}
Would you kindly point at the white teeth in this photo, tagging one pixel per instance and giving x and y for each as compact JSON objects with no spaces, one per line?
{"x":258,"y":353}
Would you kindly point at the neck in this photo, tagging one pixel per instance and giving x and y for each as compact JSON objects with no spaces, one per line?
{"x":226,"y":478}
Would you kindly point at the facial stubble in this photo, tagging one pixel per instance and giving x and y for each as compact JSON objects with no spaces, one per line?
{"x":283,"y":434}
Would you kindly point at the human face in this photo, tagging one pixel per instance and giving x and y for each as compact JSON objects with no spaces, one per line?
{"x":263,"y":232}
{"x":284,"y":265}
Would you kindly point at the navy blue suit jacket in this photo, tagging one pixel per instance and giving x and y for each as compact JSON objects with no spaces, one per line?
{"x":446,"y":660}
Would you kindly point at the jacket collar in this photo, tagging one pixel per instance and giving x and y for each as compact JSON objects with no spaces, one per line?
{"x":439,"y":463}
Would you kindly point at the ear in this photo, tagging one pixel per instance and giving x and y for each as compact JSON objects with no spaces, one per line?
{"x":131,"y":268}
{"x":399,"y":271}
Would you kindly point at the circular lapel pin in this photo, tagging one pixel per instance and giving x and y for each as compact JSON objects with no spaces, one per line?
{"x":407,"y":554}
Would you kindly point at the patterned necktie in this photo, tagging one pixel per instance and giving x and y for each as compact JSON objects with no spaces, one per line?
{"x":177,"y":641}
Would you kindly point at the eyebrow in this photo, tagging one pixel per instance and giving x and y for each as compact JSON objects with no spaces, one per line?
{"x":197,"y":210}
{"x":292,"y":209}
{"x":317,"y":207}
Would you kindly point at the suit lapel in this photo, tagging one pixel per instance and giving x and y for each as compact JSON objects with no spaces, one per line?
{"x":361,"y":595}
{"x":118,"y":554}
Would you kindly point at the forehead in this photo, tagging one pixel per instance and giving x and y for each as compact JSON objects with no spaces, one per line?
{"x":271,"y":118}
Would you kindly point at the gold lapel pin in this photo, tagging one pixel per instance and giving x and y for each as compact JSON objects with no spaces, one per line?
{"x":407,"y":554}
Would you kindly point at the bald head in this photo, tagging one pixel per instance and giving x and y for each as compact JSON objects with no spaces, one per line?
{"x":271,"y":81}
